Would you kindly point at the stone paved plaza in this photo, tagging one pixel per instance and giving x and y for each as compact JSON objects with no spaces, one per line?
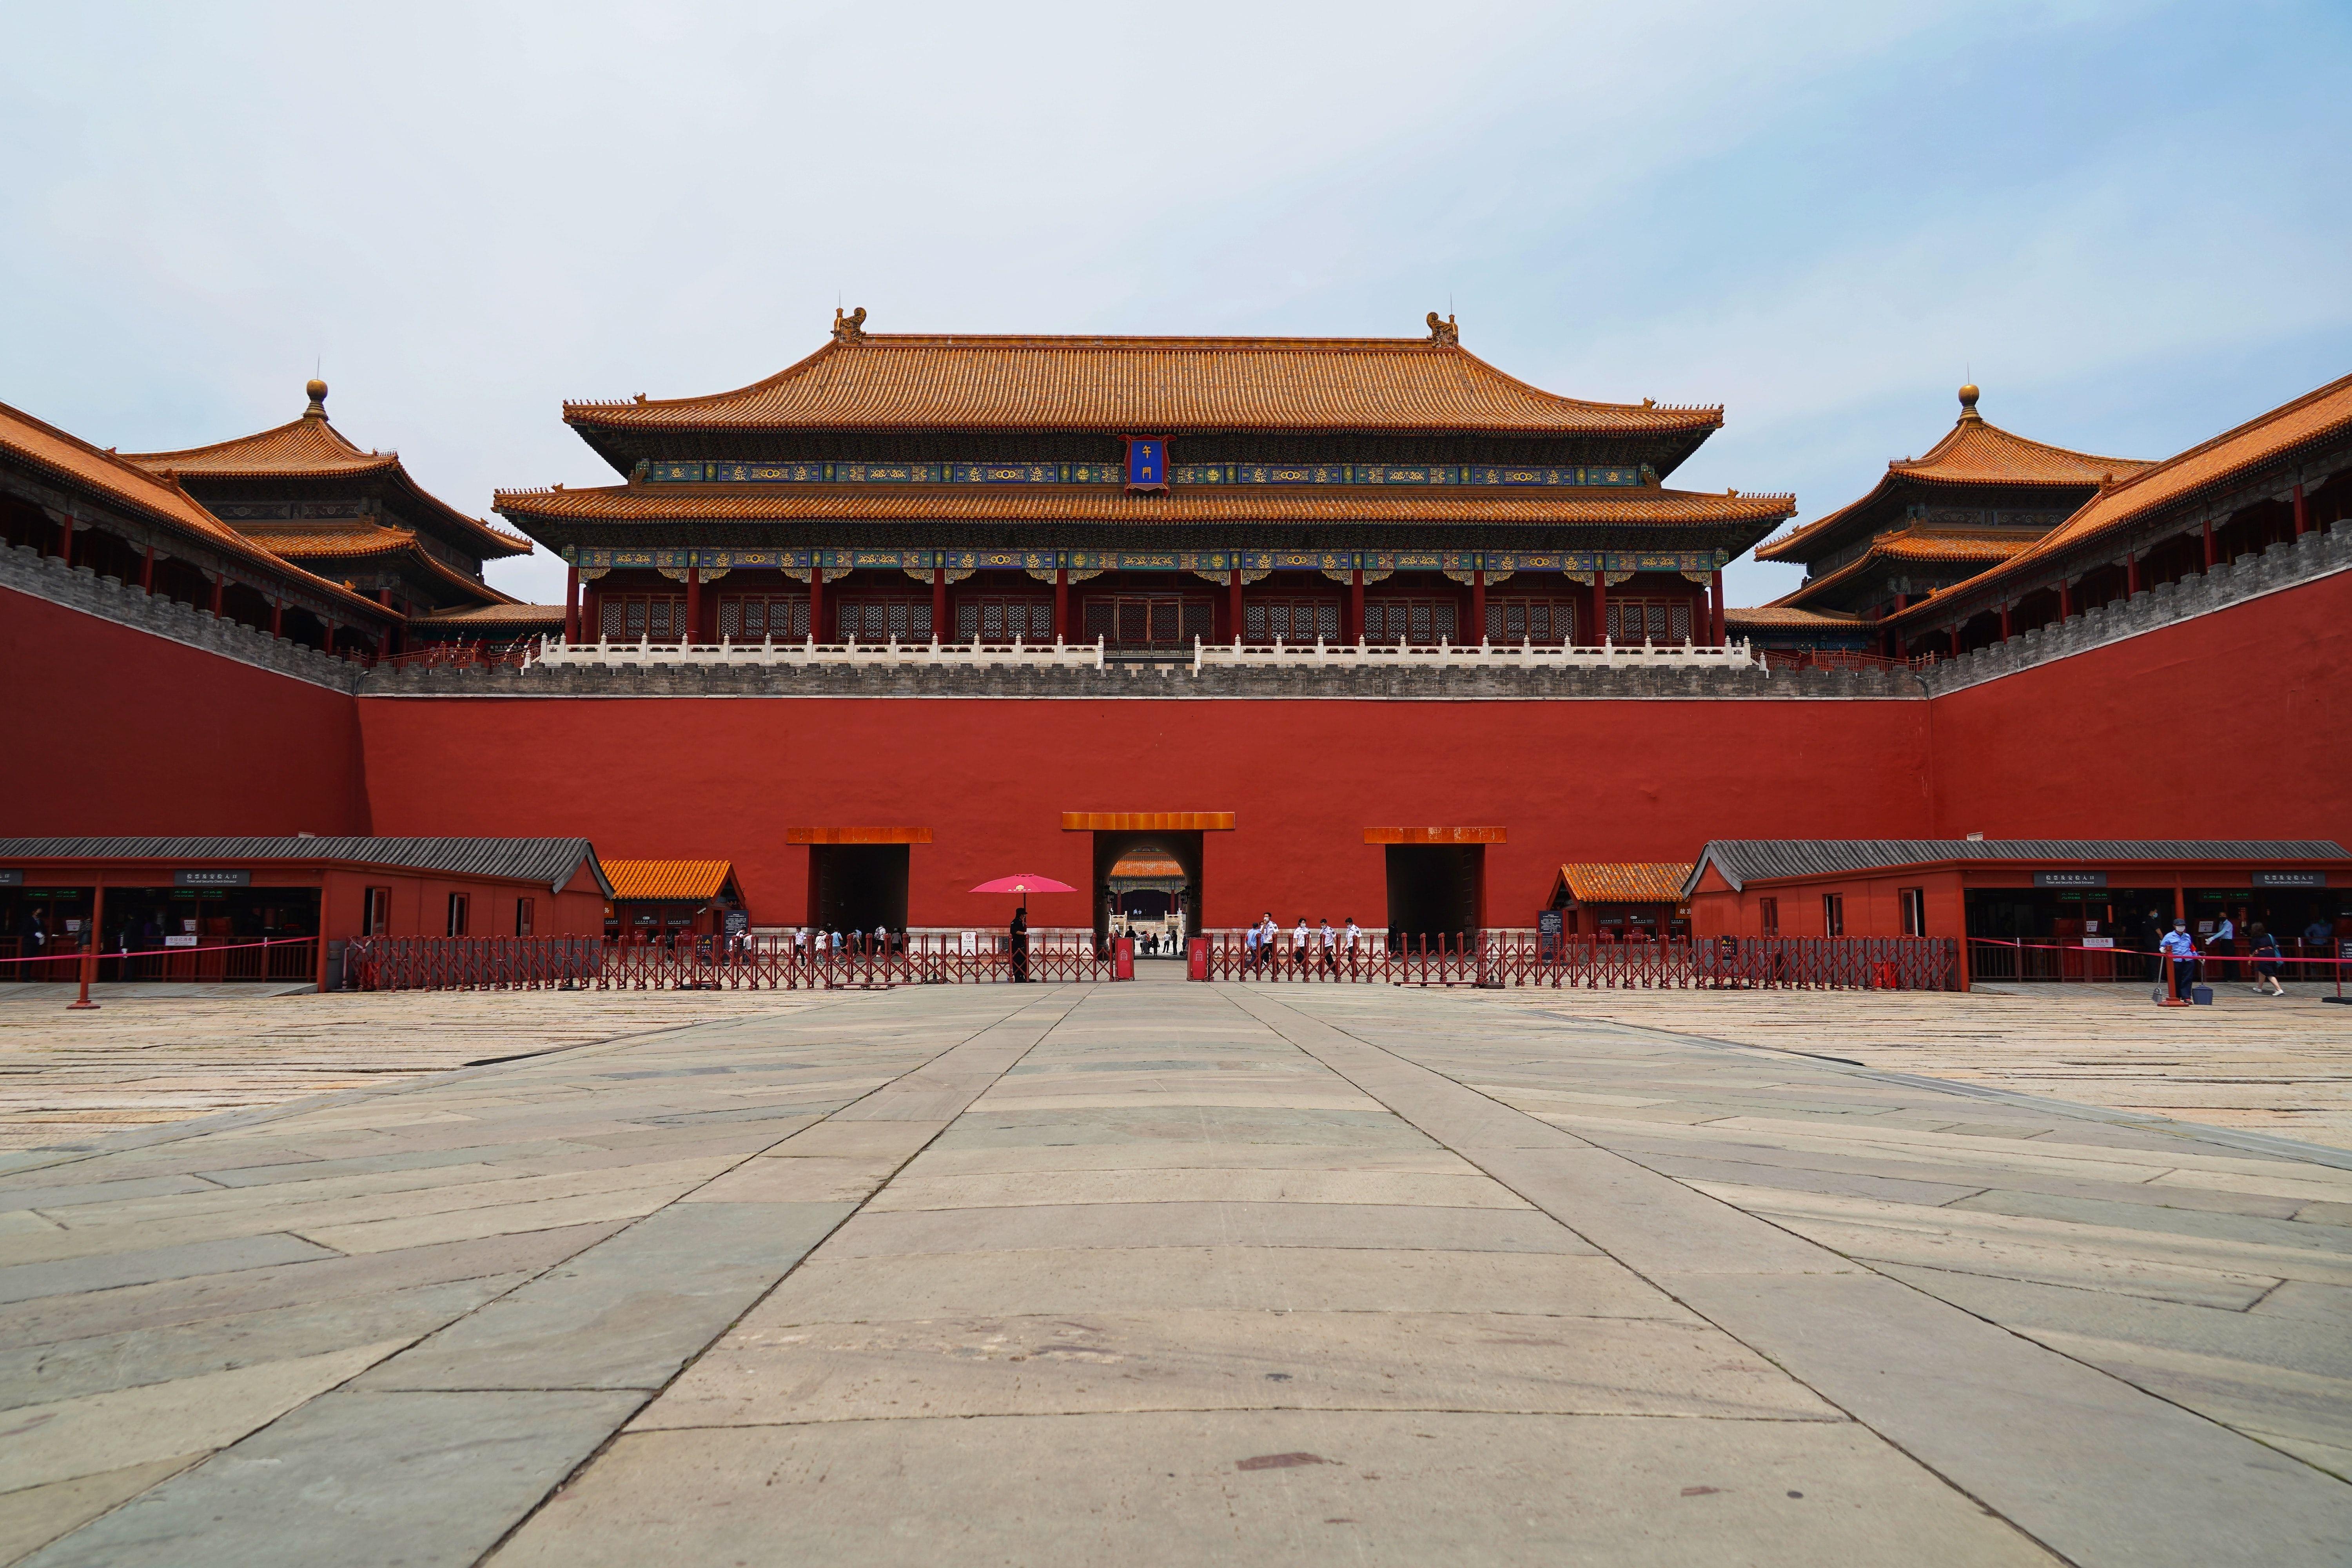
{"x":1166,"y":1273}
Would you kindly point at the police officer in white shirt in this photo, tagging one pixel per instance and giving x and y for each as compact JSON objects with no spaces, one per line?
{"x":2180,"y":948}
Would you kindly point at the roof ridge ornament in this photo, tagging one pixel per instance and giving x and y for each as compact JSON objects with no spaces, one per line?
{"x":317,"y":391}
{"x":850,"y":328}
{"x":1969,"y":415}
{"x":1444,"y":331}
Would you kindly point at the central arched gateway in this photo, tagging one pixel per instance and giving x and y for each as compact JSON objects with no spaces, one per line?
{"x":1177,"y":836}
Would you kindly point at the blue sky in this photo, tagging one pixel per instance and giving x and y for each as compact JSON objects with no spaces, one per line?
{"x":2128,"y":221}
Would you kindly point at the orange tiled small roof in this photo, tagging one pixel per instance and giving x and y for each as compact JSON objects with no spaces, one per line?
{"x":1102,"y":503}
{"x":335,"y":538}
{"x":1148,"y":865}
{"x":1973,"y":452}
{"x":678,"y":881}
{"x":1921,"y":547}
{"x":1624,"y":881}
{"x":311,"y":447}
{"x":2319,"y":416}
{"x":495,"y":616}
{"x":1788,"y":615}
{"x":1140,"y":385}
{"x":123,"y":483}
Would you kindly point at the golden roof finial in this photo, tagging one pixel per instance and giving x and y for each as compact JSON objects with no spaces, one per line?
{"x":317,"y":391}
{"x":1969,"y":404}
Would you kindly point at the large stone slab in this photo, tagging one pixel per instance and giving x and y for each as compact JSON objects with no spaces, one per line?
{"x":627,"y":1312}
{"x":1183,"y":1488}
{"x":361,"y":1480}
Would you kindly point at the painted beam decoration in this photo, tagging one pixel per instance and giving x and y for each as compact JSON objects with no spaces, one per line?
{"x":1145,"y":455}
{"x":1581,"y":565}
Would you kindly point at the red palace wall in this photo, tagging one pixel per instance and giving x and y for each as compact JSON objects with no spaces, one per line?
{"x":682,"y":777}
{"x":113,"y":730}
{"x":2236,"y":724}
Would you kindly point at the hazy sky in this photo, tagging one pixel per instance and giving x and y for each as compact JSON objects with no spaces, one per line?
{"x":2128,"y":221}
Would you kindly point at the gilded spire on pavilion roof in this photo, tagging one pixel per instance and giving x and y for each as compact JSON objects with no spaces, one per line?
{"x":311,"y":448}
{"x":1974,"y":452}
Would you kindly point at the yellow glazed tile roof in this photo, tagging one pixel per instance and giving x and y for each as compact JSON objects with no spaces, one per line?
{"x":1625,"y":881}
{"x":681,"y":882}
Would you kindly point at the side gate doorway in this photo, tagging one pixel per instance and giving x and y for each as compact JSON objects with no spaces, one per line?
{"x":1437,"y":879}
{"x":857,"y":875}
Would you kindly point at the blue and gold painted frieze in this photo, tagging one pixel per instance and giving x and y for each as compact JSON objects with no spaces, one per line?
{"x":1576,"y":563}
{"x":1183,"y":474}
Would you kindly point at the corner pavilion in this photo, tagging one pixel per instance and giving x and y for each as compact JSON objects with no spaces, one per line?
{"x":1149,"y":491}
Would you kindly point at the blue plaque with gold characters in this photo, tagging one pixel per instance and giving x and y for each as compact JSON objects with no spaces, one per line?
{"x":1147,"y":462}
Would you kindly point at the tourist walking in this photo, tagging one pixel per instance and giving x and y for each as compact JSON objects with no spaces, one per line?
{"x":1331,"y":948}
{"x":1019,"y":933}
{"x":2180,"y":949}
{"x":1349,"y":936}
{"x":2266,"y":962}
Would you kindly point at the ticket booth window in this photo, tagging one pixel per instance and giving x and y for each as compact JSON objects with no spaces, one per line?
{"x":376,"y":918}
{"x":457,"y":914}
{"x":1832,"y":914}
{"x":1914,"y":911}
{"x":524,"y":914}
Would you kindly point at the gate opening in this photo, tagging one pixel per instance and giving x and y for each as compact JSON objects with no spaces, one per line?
{"x":1148,"y":876}
{"x":856,"y":887}
{"x":1436,"y":891}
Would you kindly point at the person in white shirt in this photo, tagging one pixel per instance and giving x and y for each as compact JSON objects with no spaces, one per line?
{"x":2224,"y":939}
{"x":1298,"y":941}
{"x":1349,"y":935}
{"x":1330,"y":947}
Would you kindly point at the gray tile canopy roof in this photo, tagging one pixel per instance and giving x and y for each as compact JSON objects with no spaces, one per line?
{"x":551,"y":861}
{"x":1741,"y":860}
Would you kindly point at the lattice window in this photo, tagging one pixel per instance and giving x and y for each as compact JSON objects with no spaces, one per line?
{"x":1290,"y":620}
{"x":750,"y":617}
{"x":632,"y":617}
{"x":1545,"y":622}
{"x":1654,"y":620}
{"x":908,"y":620}
{"x":1420,"y":621}
{"x":996,"y":617}
{"x":1149,"y":620}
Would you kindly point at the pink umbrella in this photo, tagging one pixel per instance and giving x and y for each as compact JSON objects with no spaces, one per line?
{"x":1028,"y":882}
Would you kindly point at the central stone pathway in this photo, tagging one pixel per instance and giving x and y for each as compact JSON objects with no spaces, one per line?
{"x":1161,"y":1273}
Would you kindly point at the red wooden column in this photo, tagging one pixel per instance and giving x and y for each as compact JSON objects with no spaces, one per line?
{"x":1062,"y":604}
{"x":1600,"y":607}
{"x":816,"y":603}
{"x":2065,"y":600}
{"x":220,"y":584}
{"x":1354,"y":630}
{"x":2131,"y":573}
{"x":591,"y":614}
{"x":65,"y":540}
{"x":1234,"y":594}
{"x":2209,"y":545}
{"x":939,"y":627}
{"x":1715,"y":595}
{"x":2004,"y":620}
{"x":2302,"y":514}
{"x":571,"y":604}
{"x":1477,"y":604}
{"x":278,"y":617}
{"x":147,"y":573}
{"x":693,"y":603}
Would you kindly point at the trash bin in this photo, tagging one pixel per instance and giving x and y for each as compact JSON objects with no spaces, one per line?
{"x":1886,"y":974}
{"x":1122,"y":959}
{"x":1196,"y":958}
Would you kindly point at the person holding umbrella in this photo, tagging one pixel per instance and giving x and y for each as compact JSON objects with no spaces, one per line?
{"x":1018,"y":932}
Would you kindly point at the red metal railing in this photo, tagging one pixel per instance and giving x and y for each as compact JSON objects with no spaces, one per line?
{"x":1525,"y":958}
{"x":688,"y":962}
{"x":2003,"y":960}
{"x":213,"y":960}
